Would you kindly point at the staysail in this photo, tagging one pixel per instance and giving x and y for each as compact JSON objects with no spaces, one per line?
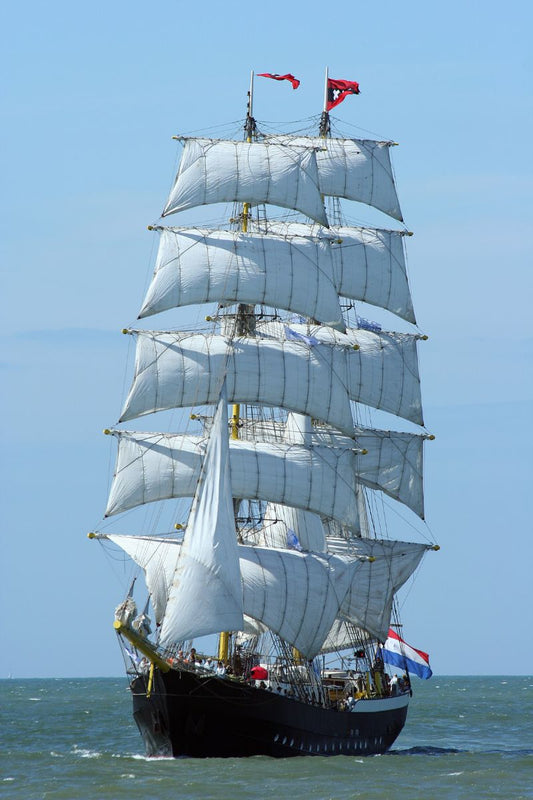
{"x":208,"y":555}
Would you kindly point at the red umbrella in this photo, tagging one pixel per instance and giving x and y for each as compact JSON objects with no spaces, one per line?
{"x":259,"y":673}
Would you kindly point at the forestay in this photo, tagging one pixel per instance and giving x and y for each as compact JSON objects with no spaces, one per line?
{"x":220,"y":171}
{"x":356,"y":169}
{"x":203,"y":266}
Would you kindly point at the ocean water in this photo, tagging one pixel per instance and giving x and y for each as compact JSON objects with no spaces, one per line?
{"x":466,"y":737}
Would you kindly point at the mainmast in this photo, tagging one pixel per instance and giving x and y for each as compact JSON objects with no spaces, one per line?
{"x":242,"y":321}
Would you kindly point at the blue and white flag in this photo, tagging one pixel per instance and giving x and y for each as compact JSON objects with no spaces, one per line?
{"x":292,"y":541}
{"x":367,"y":325}
{"x":134,"y":658}
{"x":294,"y":336}
{"x":400,"y":654}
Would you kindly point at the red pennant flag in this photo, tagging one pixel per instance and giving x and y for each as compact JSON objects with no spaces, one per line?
{"x":295,"y":82}
{"x":338,"y":90}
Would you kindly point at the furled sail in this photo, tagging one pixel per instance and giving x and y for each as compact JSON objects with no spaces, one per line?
{"x":369,"y":263}
{"x":205,"y":594}
{"x":174,"y":370}
{"x":201,"y":266}
{"x":356,"y":169}
{"x":382,"y":372}
{"x":220,"y":171}
{"x":159,"y":466}
{"x":157,"y":556}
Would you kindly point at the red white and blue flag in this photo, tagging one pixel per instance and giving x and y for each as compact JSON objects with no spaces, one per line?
{"x":288,"y":77}
{"x":400,"y":654}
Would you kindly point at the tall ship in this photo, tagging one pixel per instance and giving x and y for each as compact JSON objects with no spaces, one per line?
{"x":266,"y":623}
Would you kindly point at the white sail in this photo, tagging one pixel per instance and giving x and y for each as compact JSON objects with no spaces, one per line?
{"x":305,"y":597}
{"x":157,"y":557}
{"x":356,"y":169}
{"x":173,"y":370}
{"x":368,"y":602}
{"x":369,"y":263}
{"x":219,"y":171}
{"x":365,"y":529}
{"x":297,"y":595}
{"x":297,"y":528}
{"x":382,"y":372}
{"x":201,"y":266}
{"x":298,"y":429}
{"x":286,"y":526}
{"x":159,"y":466}
{"x":393,"y":462}
{"x":205,"y":594}
{"x":344,"y":635}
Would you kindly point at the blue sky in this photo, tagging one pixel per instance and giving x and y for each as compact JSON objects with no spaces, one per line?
{"x":93,"y":97}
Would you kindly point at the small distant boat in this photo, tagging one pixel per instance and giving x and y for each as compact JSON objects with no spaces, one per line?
{"x":281,"y":556}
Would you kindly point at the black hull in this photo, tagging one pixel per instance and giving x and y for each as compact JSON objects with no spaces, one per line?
{"x":205,"y":716}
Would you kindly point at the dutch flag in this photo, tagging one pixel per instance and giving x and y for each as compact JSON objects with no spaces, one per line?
{"x":400,"y":654}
